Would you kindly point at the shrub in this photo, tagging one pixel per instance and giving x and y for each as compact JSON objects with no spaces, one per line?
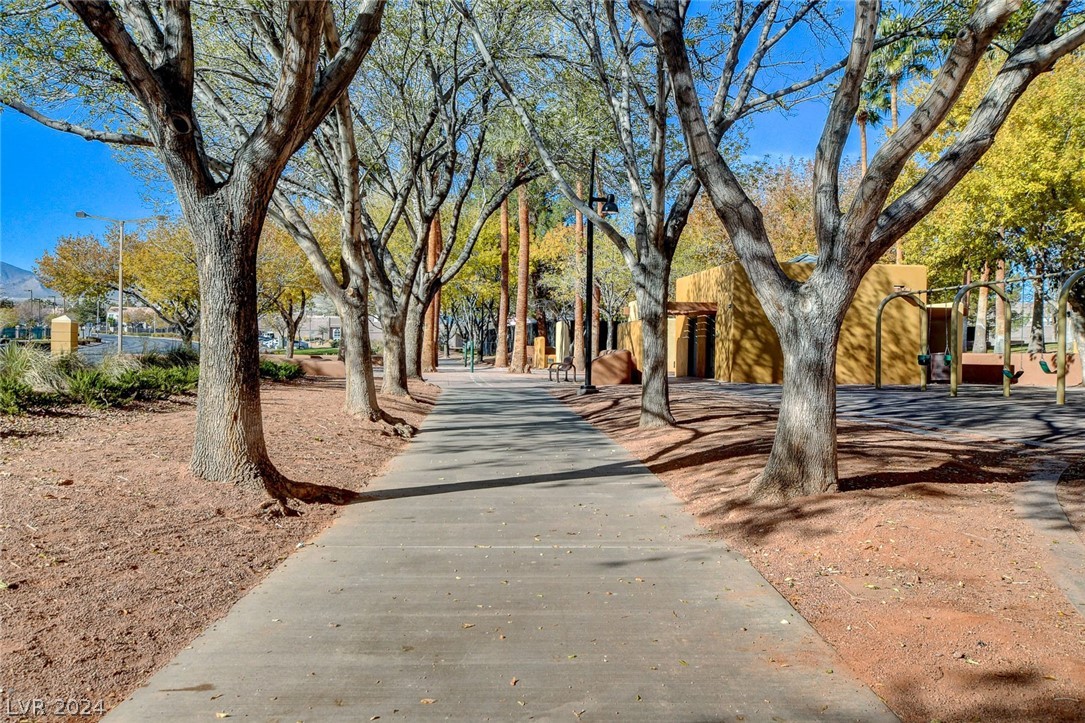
{"x":95,"y":389}
{"x":279,"y":371}
{"x":162,"y":382}
{"x":15,"y":396}
{"x":14,"y":361}
{"x":180,"y":356}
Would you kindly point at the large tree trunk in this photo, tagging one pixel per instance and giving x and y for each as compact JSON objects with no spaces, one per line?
{"x":501,"y":357}
{"x":651,"y":283}
{"x":394,"y":382}
{"x":803,"y":457}
{"x":413,"y":333}
{"x":520,"y":340}
{"x":979,"y":346}
{"x":432,"y":317}
{"x":361,"y":397}
{"x":228,"y":444}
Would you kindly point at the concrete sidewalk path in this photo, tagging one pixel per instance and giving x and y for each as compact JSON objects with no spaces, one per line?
{"x":513,"y":564}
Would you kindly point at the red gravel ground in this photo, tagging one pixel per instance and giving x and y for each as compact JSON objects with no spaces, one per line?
{"x":917,"y":572}
{"x":112,"y":557}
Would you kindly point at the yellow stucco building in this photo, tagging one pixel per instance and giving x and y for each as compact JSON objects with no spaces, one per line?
{"x":721,"y":332}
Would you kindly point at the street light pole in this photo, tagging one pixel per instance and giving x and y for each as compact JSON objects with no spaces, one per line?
{"x":120,"y":266}
{"x":609,"y":207}
{"x":120,"y":293}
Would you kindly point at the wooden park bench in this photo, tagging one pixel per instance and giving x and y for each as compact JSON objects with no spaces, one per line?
{"x":555,"y":369}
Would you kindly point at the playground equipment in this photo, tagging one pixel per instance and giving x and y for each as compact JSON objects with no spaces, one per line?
{"x":954,"y":342}
{"x":956,"y":328}
{"x":913,"y":298}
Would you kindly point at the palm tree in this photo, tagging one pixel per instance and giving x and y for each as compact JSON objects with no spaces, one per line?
{"x":873,"y":102}
{"x":901,"y":60}
{"x":897,"y":62}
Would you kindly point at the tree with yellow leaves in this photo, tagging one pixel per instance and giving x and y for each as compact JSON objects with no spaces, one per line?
{"x":1024,"y":202}
{"x":163,"y":275}
{"x":286,"y":282}
{"x":160,"y":272}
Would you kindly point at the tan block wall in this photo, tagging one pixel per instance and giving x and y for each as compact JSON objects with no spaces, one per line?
{"x":631,"y":338}
{"x":64,"y":335}
{"x":748,"y":350}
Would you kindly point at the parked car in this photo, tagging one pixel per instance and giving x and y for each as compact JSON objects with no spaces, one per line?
{"x":301,"y":345}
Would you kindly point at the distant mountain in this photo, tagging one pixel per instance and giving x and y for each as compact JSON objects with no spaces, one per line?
{"x":16,"y":284}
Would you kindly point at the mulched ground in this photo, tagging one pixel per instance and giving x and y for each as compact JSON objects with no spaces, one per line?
{"x":113,"y":558}
{"x":917,"y":573}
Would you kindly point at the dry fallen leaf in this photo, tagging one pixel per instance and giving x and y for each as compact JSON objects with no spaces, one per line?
{"x":468,"y":625}
{"x":220,"y":714}
{"x":514,"y":681}
{"x":428,"y":701}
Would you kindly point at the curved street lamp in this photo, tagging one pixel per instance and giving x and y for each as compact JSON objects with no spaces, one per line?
{"x":609,"y":208}
{"x":120,"y":264}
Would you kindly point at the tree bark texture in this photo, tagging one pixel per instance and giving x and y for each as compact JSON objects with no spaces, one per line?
{"x":432,"y":319}
{"x":803,"y":457}
{"x":501,"y":359}
{"x":414,"y":337}
{"x":523,"y":266}
{"x":650,"y":287}
{"x":361,"y":398}
{"x":394,"y":382}
{"x":229,"y":438}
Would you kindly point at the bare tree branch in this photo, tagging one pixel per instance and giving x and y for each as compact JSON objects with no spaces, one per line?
{"x":90,"y":134}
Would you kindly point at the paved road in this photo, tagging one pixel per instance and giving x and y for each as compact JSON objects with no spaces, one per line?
{"x":1029,"y":416}
{"x":132,"y":345}
{"x":514,"y":564}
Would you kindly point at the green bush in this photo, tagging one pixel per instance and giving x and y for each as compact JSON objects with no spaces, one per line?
{"x":180,"y":356}
{"x":95,"y":389}
{"x":162,"y":382}
{"x":15,"y":396}
{"x":279,"y":371}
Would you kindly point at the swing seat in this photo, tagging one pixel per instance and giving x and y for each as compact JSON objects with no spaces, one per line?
{"x":1047,"y":368}
{"x":1013,"y":375}
{"x":924,"y":360}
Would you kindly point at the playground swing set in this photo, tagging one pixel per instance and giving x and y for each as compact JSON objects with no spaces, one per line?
{"x":955,"y":328}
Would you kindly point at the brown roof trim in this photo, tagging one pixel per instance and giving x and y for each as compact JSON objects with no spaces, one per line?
{"x":692,"y":307}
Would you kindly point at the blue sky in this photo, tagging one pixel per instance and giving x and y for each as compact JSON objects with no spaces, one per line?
{"x":46,"y":175}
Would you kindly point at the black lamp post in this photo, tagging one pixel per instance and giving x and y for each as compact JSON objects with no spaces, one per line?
{"x":609,"y":208}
